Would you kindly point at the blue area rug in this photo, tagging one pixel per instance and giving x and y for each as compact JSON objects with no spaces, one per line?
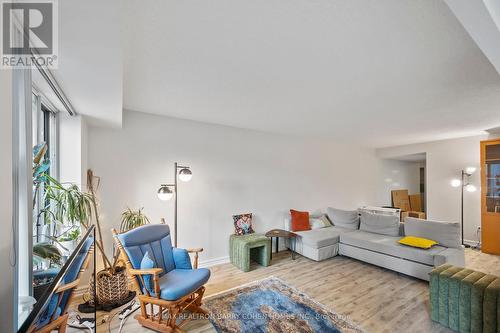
{"x":271,"y":305}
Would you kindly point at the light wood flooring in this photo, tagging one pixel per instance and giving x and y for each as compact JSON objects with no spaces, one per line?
{"x":377,"y":299}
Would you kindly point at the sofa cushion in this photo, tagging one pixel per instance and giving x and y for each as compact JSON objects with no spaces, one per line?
{"x":348,"y":219}
{"x":450,"y":256}
{"x":319,"y":222}
{"x":445,"y":233}
{"x":380,"y":224}
{"x":300,"y":220}
{"x":288,"y":218}
{"x":389,"y":245}
{"x":319,"y":238}
{"x":418,"y":242}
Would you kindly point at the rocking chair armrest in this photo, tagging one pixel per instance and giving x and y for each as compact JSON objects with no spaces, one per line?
{"x":149,"y":271}
{"x":199,"y":249}
{"x":195,"y":251}
{"x":67,"y":286}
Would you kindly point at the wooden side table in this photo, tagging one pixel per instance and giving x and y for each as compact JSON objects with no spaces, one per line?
{"x":285,"y":234}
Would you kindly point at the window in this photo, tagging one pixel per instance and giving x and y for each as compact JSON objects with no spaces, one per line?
{"x":44,"y":130}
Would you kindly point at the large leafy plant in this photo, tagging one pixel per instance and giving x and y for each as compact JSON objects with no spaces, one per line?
{"x":64,"y":206}
{"x":132,"y":219}
{"x":71,"y":235}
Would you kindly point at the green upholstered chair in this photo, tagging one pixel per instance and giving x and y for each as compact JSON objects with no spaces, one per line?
{"x":243,"y":248}
{"x":465,"y":300}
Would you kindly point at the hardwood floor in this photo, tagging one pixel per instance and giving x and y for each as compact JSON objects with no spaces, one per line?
{"x":377,"y":299}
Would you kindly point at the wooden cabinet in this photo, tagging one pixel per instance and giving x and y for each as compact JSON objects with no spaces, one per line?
{"x":490,"y":196}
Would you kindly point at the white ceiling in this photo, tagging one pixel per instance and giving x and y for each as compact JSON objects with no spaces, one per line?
{"x":481,"y":19}
{"x":377,"y":73}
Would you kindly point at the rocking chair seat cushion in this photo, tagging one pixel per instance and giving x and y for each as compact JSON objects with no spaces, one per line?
{"x":181,"y":282}
{"x":52,"y":311}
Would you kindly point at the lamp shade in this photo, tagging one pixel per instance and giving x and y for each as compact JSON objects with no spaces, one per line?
{"x":470,"y":188}
{"x":185,"y":174}
{"x":470,"y":170}
{"x":165,"y":193}
{"x":456,"y":182}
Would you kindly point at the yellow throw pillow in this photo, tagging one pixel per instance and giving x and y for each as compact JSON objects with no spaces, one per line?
{"x":421,"y":243}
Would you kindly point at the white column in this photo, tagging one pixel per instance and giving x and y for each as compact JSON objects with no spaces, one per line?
{"x":6,"y":238}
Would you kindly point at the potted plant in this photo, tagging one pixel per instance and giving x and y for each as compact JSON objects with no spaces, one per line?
{"x":132,"y":219}
{"x":57,"y":206}
{"x":69,"y":239}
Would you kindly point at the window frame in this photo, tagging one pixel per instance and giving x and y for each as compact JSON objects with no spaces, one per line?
{"x":45,"y":128}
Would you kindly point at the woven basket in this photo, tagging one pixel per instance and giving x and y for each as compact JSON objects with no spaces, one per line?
{"x":89,"y":295}
{"x":112,"y":287}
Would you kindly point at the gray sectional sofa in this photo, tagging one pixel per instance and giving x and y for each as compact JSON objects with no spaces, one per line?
{"x":373,"y":238}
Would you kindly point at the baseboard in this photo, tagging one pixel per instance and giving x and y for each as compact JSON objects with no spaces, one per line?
{"x":470,"y":243}
{"x":213,"y":262}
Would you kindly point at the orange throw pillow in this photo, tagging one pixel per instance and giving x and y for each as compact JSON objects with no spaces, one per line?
{"x":300,"y":220}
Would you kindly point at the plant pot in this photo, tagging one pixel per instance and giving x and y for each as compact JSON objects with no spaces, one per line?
{"x":112,"y":286}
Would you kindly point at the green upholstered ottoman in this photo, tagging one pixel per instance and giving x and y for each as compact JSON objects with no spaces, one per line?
{"x":465,"y":305}
{"x":444,"y":286}
{"x":434,"y":290}
{"x":467,"y":301}
{"x":491,"y":323}
{"x":477,"y":306}
{"x":252,"y":246}
{"x":454,"y":298}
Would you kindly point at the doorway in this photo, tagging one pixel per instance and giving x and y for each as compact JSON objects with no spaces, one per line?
{"x":405,"y":177}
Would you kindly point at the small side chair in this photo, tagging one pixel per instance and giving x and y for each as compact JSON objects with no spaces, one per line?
{"x":176,"y":285}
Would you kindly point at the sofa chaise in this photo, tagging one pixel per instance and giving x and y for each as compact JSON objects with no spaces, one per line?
{"x":373,"y":238}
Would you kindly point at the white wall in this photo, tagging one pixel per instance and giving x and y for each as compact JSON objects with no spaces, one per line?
{"x":234,"y":171}
{"x":445,"y":160}
{"x":72,"y":149}
{"x":7,"y":271}
{"x":397,"y":175}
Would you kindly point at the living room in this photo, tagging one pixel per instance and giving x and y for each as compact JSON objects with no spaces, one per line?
{"x":274,"y":140}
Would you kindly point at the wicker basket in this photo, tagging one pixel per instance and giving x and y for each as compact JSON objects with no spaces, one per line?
{"x":112,"y":287}
{"x":90,"y":294}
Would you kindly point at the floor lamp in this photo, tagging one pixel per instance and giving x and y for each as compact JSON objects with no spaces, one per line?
{"x":167,"y":191}
{"x":464,"y":184}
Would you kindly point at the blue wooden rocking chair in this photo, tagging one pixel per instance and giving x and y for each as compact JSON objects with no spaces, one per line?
{"x":176,"y":286}
{"x":55,"y":315}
